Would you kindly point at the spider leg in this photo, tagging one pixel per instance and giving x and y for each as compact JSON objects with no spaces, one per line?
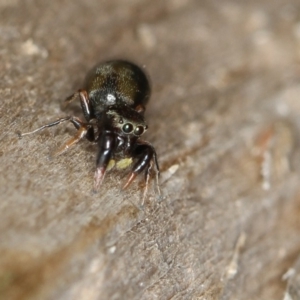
{"x":85,"y":105}
{"x":147,"y":157}
{"x":84,"y":101}
{"x":83,"y":131}
{"x":106,"y":148}
{"x":57,"y":122}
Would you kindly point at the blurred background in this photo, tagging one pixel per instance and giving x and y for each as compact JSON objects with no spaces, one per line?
{"x":223,"y":117}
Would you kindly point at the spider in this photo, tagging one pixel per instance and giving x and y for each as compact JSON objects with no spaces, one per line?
{"x":113,"y":101}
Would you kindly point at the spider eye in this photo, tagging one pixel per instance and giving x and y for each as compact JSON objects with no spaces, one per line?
{"x":127,"y":128}
{"x":139,"y":130}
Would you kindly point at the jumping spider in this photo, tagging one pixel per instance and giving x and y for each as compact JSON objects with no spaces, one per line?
{"x":113,"y":103}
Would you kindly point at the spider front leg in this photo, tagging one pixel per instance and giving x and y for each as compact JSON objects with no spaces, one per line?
{"x":147,"y":157}
{"x":106,"y":147}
